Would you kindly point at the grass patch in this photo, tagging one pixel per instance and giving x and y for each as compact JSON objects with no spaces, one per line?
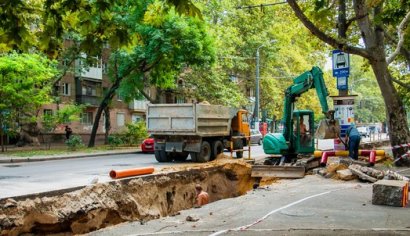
{"x":61,"y":150}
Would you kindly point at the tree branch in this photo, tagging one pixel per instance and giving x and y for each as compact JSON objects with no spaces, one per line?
{"x":324,"y":37}
{"x":403,"y":50}
{"x":400,"y":34}
{"x":351,"y":20}
{"x":407,"y":86}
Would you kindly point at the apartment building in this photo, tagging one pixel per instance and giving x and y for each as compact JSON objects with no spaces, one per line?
{"x":87,"y":87}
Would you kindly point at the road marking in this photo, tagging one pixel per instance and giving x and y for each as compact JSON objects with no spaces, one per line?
{"x":274,"y":211}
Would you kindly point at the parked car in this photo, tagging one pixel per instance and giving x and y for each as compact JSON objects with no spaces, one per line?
{"x":364,"y":131}
{"x":256,"y":137}
{"x":147,"y":145}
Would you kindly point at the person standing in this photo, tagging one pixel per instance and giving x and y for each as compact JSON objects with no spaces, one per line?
{"x":353,"y":141}
{"x":68,"y":132}
{"x":202,"y":197}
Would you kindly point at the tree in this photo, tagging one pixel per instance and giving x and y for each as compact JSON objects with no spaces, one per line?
{"x":66,"y":114}
{"x":25,"y":86}
{"x":167,"y":43}
{"x":369,"y":21}
{"x":239,"y":32}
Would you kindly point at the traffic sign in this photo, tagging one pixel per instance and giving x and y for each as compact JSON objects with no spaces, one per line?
{"x":340,"y":63}
{"x":342,"y":83}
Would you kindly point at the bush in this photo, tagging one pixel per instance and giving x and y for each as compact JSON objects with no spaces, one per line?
{"x":74,"y":142}
{"x":136,"y":132}
{"x":115,"y":141}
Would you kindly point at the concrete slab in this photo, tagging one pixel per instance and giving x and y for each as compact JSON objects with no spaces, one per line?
{"x":309,"y":206}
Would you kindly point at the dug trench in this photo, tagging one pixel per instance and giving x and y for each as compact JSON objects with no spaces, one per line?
{"x":143,"y":198}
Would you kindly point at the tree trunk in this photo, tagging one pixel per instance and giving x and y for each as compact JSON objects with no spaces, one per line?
{"x":395,"y":112}
{"x":108,"y":97}
{"x":107,"y":124}
{"x":1,"y":139}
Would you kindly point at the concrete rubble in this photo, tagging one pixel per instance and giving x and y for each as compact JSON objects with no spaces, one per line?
{"x":389,"y":188}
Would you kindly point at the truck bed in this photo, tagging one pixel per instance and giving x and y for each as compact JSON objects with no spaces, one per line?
{"x":189,"y":119}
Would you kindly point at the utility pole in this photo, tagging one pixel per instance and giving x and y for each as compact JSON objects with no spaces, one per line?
{"x":256,"y":111}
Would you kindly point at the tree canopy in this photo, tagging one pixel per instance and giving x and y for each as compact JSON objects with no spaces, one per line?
{"x":25,"y":86}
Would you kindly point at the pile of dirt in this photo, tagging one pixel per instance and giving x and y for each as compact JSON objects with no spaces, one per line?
{"x":140,"y":198}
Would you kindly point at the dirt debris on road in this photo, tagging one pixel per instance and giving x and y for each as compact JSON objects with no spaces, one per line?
{"x":141,"y":198}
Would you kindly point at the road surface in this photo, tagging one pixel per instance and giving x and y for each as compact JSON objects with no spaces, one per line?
{"x":23,"y":178}
{"x":18,"y":179}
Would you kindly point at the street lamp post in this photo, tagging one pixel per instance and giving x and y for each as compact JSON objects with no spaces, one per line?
{"x":257,"y":87}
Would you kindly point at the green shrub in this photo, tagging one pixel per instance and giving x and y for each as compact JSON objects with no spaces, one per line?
{"x":115,"y":141}
{"x":136,"y":132}
{"x":74,"y":142}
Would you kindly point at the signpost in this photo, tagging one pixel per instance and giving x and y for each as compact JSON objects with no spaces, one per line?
{"x":343,"y":104}
{"x":340,"y":64}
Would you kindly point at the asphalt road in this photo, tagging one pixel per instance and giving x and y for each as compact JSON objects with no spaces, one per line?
{"x":23,"y":178}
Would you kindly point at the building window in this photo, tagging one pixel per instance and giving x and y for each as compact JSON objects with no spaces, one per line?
{"x":89,"y":91}
{"x":87,"y":118}
{"x":105,"y":68}
{"x":136,"y":118}
{"x":120,"y":119}
{"x":66,"y":89}
{"x":180,"y":99}
{"x":48,"y":112}
{"x":120,"y":97}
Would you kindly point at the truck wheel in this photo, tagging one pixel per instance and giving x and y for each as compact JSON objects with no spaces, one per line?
{"x":217,"y":148}
{"x":180,"y":156}
{"x":194,"y":156}
{"x":238,"y":144}
{"x":205,"y":154}
{"x":162,"y":156}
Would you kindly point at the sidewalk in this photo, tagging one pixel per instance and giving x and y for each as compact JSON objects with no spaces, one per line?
{"x":7,"y":158}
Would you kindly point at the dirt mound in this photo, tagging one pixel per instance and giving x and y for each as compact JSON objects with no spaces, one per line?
{"x":141,"y":198}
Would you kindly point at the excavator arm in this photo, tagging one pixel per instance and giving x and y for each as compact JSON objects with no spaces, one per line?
{"x":301,"y":84}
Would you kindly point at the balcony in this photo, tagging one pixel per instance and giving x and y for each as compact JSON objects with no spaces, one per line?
{"x":138,"y":105}
{"x":94,"y":71}
{"x":93,"y":101}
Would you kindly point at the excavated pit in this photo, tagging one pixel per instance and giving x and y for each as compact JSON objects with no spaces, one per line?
{"x":93,"y":207}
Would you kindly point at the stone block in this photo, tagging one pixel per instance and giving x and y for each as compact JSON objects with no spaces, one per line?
{"x":390,"y":192}
{"x":345,"y":175}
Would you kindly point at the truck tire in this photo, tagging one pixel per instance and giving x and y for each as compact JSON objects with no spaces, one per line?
{"x":180,"y":156}
{"x":238,"y":144}
{"x":194,"y":156}
{"x":205,"y":154}
{"x":217,"y":148}
{"x":162,"y":156}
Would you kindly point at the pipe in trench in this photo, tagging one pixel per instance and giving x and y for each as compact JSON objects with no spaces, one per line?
{"x":116,"y":174}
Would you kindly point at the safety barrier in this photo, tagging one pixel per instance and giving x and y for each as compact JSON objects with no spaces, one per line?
{"x":248,"y":140}
{"x":370,"y":153}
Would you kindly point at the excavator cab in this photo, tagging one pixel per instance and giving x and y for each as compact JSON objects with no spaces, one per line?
{"x":303,"y":127}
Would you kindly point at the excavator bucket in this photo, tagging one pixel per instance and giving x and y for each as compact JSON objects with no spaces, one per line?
{"x":328,"y":129}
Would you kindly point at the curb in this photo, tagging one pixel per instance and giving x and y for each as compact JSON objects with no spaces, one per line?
{"x":52,"y":158}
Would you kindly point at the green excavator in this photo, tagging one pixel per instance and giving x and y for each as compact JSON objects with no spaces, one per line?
{"x":296,"y":140}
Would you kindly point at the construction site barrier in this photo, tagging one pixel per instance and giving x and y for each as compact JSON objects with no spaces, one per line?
{"x":248,"y":140}
{"x":370,"y":153}
{"x":116,"y":174}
